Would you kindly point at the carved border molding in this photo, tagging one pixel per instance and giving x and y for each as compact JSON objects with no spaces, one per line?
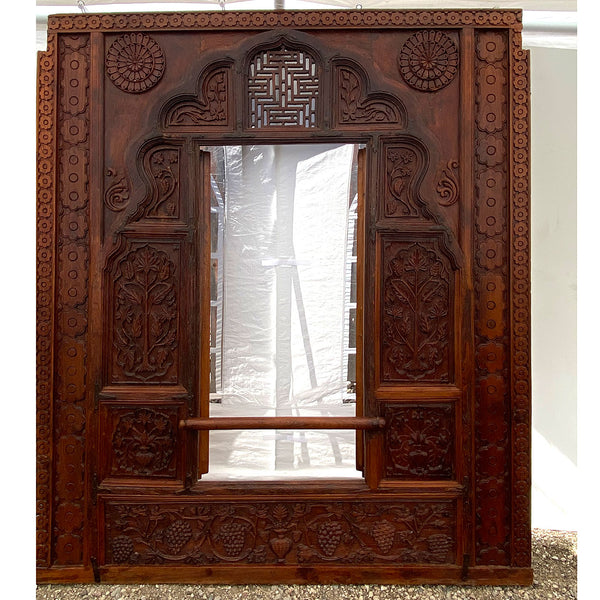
{"x":267,"y":20}
{"x":491,"y":282}
{"x":46,"y":171}
{"x":72,"y":266}
{"x":521,"y":300}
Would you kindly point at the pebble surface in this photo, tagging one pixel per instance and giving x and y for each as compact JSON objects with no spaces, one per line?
{"x":554,"y":565}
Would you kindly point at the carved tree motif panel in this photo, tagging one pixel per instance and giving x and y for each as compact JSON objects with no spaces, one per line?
{"x":145,"y":315}
{"x":127,"y":105}
{"x":416,"y":319}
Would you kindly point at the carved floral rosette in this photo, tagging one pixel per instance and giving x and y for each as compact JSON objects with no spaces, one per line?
{"x":520,"y":294}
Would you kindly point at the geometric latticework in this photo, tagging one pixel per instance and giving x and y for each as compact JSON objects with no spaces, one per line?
{"x":283,"y":88}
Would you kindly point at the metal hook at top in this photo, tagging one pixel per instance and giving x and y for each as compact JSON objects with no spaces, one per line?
{"x":222,"y":4}
{"x":82,"y":6}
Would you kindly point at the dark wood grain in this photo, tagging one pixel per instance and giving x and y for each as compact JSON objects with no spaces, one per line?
{"x":127,"y":105}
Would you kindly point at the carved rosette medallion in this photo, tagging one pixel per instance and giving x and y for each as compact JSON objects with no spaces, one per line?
{"x":416,"y":313}
{"x":428,"y":61}
{"x":135,"y":62}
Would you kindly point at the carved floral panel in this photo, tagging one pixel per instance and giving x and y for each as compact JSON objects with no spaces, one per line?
{"x":142,"y":442}
{"x":419,"y":442}
{"x":281,"y":532}
{"x":416,"y":312}
{"x":145,"y":315}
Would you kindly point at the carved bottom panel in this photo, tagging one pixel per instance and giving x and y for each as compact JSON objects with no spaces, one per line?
{"x":280,"y":532}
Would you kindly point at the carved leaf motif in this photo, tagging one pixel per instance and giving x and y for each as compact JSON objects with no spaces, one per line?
{"x":164,"y":171}
{"x":401,"y":165}
{"x":358,"y":107}
{"x":448,"y":187}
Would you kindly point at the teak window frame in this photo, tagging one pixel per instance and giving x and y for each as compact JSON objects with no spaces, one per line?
{"x":261,"y":532}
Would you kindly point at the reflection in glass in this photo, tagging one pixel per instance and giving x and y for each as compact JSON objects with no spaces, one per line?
{"x":283,"y":306}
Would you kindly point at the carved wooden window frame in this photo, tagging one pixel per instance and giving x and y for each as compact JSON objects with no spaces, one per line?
{"x":295,"y":533}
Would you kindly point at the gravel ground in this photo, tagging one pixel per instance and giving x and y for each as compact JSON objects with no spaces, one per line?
{"x":554,"y":564}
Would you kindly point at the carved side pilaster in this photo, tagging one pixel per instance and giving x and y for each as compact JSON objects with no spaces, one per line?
{"x":492,"y":316}
{"x":521,"y":300}
{"x":72,"y":299}
{"x":46,"y":256}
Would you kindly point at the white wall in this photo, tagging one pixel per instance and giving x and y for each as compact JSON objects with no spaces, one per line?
{"x":554,"y":286}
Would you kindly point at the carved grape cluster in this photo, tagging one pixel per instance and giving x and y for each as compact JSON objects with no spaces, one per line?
{"x":232,"y":535}
{"x":177,"y":535}
{"x":383,"y":533}
{"x":329,"y":536}
{"x":122,"y":548}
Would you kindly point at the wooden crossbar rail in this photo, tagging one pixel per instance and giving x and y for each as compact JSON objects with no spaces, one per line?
{"x":283,"y":423}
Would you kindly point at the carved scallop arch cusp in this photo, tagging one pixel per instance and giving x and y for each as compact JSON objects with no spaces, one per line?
{"x":135,"y":62}
{"x":356,"y":104}
{"x":428,"y":60}
{"x":209,"y":107}
{"x":283,"y":84}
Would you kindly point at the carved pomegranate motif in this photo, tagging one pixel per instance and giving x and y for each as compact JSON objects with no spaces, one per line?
{"x":280,"y":545}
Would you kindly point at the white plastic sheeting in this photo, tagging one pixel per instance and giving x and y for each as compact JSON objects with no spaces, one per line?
{"x":285,"y":294}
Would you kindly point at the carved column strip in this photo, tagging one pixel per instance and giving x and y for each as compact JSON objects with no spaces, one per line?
{"x":492,"y":335}
{"x":95,"y":321}
{"x":467,"y":63}
{"x":520,"y":306}
{"x":71,"y":298}
{"x":46,"y":173}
